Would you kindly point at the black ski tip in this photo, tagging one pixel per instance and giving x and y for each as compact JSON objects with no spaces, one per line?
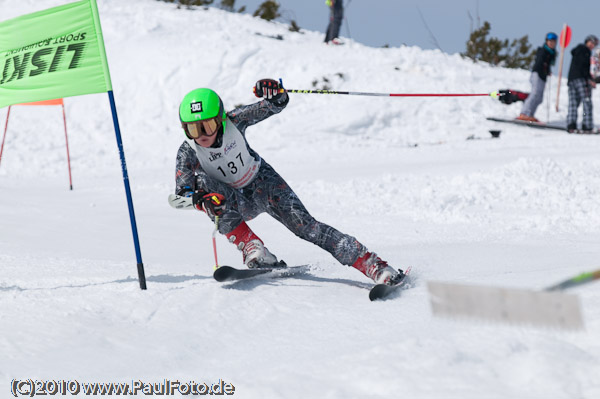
{"x":222,"y":273}
{"x":381,"y":291}
{"x":228,"y":273}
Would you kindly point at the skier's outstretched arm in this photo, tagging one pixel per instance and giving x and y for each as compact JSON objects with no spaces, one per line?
{"x":273,"y":103}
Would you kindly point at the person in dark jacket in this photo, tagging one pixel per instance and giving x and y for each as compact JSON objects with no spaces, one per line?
{"x":544,"y":59}
{"x":580,"y":85}
{"x":335,"y":21}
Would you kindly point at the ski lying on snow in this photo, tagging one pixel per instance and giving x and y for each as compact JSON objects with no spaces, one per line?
{"x":538,"y":125}
{"x":381,"y":291}
{"x":228,"y":273}
{"x":579,"y":131}
{"x":541,"y":125}
{"x":276,"y":37}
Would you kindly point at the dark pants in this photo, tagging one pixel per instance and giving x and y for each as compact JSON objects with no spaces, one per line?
{"x":580,"y":91}
{"x":335,"y":21}
{"x":269,"y":193}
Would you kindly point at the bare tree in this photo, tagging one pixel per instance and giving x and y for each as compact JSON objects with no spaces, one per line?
{"x":432,"y":37}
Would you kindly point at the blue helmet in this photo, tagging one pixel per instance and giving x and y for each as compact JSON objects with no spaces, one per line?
{"x":551,"y":36}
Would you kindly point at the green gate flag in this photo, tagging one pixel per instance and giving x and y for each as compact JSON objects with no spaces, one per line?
{"x":53,"y":53}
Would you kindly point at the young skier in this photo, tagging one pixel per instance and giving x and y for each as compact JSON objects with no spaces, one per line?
{"x":224,"y":177}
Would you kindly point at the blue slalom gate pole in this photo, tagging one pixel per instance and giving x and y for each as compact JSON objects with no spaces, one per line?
{"x":136,"y":242}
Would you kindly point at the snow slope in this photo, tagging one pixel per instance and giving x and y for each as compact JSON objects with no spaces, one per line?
{"x":397,"y":173}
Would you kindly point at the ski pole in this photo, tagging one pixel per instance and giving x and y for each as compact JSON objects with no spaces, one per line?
{"x":577,"y":280}
{"x":346,"y":19}
{"x":356,"y":93}
{"x":214,"y":241}
{"x":548,"y":99}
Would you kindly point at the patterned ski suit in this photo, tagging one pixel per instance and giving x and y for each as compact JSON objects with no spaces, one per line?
{"x":251,"y":186}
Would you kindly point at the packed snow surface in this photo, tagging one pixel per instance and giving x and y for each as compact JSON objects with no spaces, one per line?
{"x":420,"y":181}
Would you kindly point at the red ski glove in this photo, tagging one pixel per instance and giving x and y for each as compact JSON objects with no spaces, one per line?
{"x":211,"y":203}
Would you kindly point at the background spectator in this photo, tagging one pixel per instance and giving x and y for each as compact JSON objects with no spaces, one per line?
{"x":580,"y":85}
{"x":335,"y":21}
{"x":544,"y":59}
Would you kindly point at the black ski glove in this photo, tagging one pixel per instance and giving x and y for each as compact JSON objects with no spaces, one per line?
{"x":511,"y":96}
{"x":211,"y":203}
{"x":269,"y":89}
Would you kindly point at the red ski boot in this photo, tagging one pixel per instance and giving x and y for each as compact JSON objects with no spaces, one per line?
{"x":377,"y":269}
{"x":254,"y":252}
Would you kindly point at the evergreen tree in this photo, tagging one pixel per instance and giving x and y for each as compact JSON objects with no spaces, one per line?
{"x":196,"y":2}
{"x":227,"y":5}
{"x":498,"y":52}
{"x":268,"y":10}
{"x":520,"y":54}
{"x":191,"y":2}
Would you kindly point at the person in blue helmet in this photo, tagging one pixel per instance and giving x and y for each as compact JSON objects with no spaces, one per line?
{"x":544,"y":59}
{"x":225,"y":177}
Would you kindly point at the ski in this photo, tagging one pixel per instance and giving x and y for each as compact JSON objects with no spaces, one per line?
{"x":179,"y":202}
{"x":228,"y":273}
{"x":579,"y":131}
{"x":276,"y":37}
{"x":382,"y":291}
{"x":538,"y":125}
{"x":541,"y":125}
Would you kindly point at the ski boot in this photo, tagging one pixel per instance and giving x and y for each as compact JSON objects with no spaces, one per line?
{"x":378,"y":270}
{"x":255,"y":254}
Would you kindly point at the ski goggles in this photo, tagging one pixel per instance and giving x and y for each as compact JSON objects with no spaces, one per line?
{"x":206,"y":127}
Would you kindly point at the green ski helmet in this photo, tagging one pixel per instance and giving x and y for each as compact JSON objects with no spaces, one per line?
{"x":201,"y":107}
